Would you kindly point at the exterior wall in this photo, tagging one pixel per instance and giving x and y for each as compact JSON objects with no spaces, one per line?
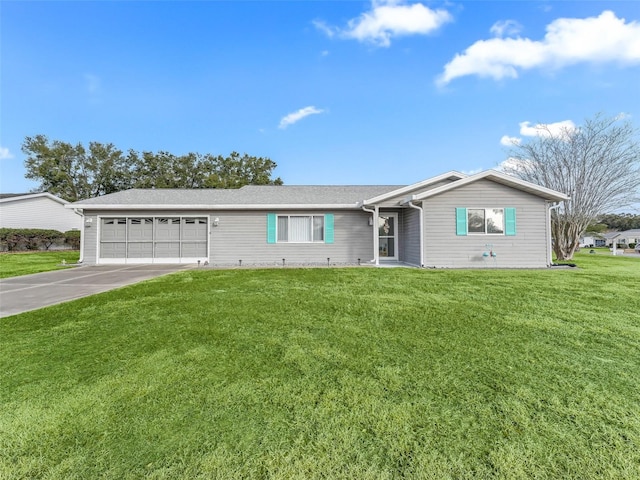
{"x":242,"y":235}
{"x":38,"y":212}
{"x":410,"y":248}
{"x":529,"y":248}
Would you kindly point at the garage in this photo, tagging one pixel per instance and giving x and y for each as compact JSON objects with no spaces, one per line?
{"x":153,"y":239}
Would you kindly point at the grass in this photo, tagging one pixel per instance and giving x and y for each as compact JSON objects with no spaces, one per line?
{"x":331,"y":373}
{"x":16,"y":264}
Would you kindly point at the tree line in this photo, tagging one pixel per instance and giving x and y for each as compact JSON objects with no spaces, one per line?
{"x":76,"y":172}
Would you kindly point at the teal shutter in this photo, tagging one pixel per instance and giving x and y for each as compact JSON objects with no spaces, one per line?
{"x":271,"y":228}
{"x":461,"y":221}
{"x":328,"y":228}
{"x":510,"y":221}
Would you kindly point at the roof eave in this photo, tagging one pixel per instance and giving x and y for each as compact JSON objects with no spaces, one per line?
{"x":413,"y":186}
{"x":276,"y":206}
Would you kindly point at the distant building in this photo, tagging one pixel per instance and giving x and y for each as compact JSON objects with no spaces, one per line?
{"x":37,"y":210}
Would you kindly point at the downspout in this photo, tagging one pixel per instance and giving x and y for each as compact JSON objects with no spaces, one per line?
{"x":376,"y":257}
{"x":550,"y":246}
{"x":421,"y":231}
{"x":80,"y":212}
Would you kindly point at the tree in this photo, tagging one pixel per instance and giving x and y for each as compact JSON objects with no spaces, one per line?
{"x":622,"y":221}
{"x":597,"y":164}
{"x":73,"y":172}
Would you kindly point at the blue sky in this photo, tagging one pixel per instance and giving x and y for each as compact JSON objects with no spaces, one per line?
{"x":335,"y":92}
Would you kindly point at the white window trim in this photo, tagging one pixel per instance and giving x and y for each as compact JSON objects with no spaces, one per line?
{"x":504,"y":226}
{"x":322,"y":215}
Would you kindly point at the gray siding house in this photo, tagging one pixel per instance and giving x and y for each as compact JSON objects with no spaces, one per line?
{"x":450,"y":221}
{"x":37,"y":210}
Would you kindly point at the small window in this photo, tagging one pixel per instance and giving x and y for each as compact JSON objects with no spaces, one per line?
{"x":485,"y":221}
{"x":300,"y":228}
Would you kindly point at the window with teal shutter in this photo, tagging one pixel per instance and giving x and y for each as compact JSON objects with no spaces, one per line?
{"x":328,"y":228}
{"x":271,"y":228}
{"x":461,"y":221}
{"x":510,"y":221}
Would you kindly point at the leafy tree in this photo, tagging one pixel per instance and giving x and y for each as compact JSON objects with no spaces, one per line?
{"x":73,"y":172}
{"x":597,"y":164}
{"x":622,"y":221}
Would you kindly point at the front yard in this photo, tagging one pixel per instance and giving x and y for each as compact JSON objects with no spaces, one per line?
{"x":331,"y":373}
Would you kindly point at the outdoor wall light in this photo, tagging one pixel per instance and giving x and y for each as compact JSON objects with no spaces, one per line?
{"x":216,"y":221}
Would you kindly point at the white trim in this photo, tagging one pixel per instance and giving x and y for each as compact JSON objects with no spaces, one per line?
{"x":413,"y":186}
{"x":497,"y":177}
{"x":215,"y":207}
{"x":34,"y":195}
{"x":395,"y":236}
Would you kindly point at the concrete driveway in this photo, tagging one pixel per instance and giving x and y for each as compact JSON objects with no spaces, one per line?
{"x":30,"y":292}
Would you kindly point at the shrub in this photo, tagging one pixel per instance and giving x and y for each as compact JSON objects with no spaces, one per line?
{"x":632,"y":245}
{"x":72,"y":238}
{"x":16,"y":239}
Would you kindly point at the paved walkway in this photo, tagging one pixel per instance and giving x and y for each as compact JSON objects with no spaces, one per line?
{"x":30,"y":292}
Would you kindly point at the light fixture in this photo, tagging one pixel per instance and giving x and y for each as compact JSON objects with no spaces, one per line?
{"x":216,"y":221}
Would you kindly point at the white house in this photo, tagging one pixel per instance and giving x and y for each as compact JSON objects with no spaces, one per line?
{"x":37,"y":210}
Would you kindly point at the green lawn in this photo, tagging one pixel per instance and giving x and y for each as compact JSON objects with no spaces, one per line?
{"x":331,"y":373}
{"x":15,"y":264}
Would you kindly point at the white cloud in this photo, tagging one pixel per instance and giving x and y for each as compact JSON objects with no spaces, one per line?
{"x":472,"y":171}
{"x":294,"y":117}
{"x":5,"y":154}
{"x":505,"y":28}
{"x":568,"y":41}
{"x":557,"y":129}
{"x":388,"y":19}
{"x":514,"y":164}
{"x":508,"y":141}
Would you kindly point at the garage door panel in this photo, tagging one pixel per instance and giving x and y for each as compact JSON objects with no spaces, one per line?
{"x":140,"y":250}
{"x":167,"y":250}
{"x":194,"y":249}
{"x":113,"y":250}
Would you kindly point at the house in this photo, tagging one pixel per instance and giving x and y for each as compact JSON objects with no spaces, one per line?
{"x":449,"y":221}
{"x":37,"y":210}
{"x":592,"y":240}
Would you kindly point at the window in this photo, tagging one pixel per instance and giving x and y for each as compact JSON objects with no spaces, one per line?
{"x":485,"y":221}
{"x":300,"y":229}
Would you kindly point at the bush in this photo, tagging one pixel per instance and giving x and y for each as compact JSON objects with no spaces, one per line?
{"x":632,"y":245}
{"x":72,"y":238}
{"x":17,"y":239}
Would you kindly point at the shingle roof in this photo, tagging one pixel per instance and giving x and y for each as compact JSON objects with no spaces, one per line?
{"x":248,"y":195}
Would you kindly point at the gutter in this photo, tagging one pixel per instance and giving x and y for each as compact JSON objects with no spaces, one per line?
{"x":376,"y":245}
{"x":80,"y":212}
{"x":550,"y":245}
{"x":410,"y":204}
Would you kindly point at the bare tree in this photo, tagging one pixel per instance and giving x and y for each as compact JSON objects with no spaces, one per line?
{"x":597,"y":164}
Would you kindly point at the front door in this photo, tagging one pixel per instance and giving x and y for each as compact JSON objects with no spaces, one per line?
{"x":388,"y":236}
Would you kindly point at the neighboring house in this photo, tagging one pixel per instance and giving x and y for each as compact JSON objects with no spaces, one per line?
{"x":623,"y":238}
{"x":449,"y":221}
{"x":592,"y":240}
{"x":37,"y":210}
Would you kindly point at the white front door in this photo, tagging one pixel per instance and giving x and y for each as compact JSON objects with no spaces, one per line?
{"x":388,"y":236}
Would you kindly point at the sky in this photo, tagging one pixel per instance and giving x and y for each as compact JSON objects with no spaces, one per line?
{"x":335,"y":92}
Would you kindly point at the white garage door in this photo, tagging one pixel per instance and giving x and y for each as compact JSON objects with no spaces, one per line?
{"x":153,"y":239}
